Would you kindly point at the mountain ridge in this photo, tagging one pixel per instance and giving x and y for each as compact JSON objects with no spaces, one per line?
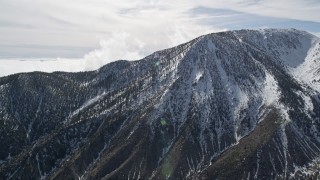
{"x":171,"y":115}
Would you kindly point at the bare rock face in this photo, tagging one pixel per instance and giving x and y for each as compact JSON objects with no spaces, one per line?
{"x":231,"y":105}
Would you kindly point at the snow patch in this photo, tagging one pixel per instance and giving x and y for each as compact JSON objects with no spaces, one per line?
{"x":307,"y":101}
{"x":270,"y":92}
{"x":198,"y":76}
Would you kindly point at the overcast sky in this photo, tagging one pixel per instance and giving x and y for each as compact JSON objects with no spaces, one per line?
{"x":124,"y":29}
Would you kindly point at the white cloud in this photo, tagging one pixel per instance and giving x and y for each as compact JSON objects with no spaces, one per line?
{"x":77,"y":23}
{"x":180,"y":33}
{"x":307,"y":10}
{"x":120,"y":45}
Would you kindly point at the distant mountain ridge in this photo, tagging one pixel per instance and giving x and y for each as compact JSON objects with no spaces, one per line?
{"x":231,"y":105}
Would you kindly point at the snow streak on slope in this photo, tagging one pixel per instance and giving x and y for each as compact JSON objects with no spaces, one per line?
{"x":270,"y":92}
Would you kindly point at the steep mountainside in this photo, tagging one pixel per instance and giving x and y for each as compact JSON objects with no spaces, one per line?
{"x":231,"y":105}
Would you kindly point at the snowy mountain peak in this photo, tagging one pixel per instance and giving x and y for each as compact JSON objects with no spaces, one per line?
{"x":245,"y":103}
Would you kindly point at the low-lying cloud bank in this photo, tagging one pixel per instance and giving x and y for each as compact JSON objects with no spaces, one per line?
{"x":119,"y":46}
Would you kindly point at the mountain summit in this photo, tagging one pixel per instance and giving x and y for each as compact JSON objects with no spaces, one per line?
{"x":231,"y":105}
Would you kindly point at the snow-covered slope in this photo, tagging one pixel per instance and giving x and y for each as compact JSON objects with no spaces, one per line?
{"x":229,"y":105}
{"x":297,"y":50}
{"x":309,"y":71}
